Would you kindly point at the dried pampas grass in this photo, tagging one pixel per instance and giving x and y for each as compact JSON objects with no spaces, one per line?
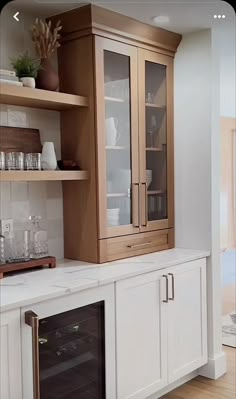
{"x":45,"y":39}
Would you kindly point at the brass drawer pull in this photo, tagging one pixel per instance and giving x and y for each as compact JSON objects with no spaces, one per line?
{"x":139,"y":245}
{"x":32,"y":320}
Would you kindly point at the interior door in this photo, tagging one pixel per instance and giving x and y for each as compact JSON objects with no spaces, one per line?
{"x":117,"y":137}
{"x":156,"y":140}
{"x":187,"y":323}
{"x":141,"y":336}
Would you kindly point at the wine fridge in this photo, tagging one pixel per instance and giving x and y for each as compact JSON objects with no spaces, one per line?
{"x":69,"y":359}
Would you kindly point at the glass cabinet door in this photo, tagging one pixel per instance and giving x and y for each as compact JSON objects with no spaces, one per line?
{"x":118,"y":138}
{"x":72,"y":354}
{"x":156,"y":140}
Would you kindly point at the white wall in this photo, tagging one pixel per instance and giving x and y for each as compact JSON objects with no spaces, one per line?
{"x":197,"y":169}
{"x":20,"y":200}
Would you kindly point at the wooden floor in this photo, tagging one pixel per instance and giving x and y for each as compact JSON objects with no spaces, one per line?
{"x":203,"y":388}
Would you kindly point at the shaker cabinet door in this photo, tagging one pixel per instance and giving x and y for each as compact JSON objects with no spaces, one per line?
{"x":117,"y":137}
{"x":156,"y":140}
{"x":10,"y":359}
{"x":141,"y":336}
{"x":187,"y":324}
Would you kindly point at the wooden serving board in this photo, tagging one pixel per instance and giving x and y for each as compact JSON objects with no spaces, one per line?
{"x":19,"y":139}
{"x":49,"y":261}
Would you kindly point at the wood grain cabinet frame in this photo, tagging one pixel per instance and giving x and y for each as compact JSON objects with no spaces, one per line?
{"x":88,"y":34}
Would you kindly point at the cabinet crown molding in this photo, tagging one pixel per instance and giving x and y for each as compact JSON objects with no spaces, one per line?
{"x":92,"y":19}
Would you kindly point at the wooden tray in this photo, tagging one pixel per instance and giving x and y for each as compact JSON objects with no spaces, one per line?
{"x":19,"y":139}
{"x":49,"y":261}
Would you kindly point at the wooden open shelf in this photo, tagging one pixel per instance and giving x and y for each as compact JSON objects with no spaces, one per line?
{"x":114,"y":99}
{"x":44,"y":175}
{"x":43,"y":99}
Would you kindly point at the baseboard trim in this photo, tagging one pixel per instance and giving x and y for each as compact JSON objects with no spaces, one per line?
{"x":215,"y":368}
{"x":174,"y":385}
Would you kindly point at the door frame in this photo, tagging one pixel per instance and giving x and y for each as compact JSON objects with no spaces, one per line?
{"x":101,"y":44}
{"x":151,"y":56}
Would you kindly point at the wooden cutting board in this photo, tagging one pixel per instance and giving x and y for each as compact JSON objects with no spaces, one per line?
{"x":19,"y":139}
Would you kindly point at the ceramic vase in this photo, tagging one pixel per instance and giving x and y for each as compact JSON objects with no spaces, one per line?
{"x":28,"y":82}
{"x":47,"y":78}
{"x":48,"y":159}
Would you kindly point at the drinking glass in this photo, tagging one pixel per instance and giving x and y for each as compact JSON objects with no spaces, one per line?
{"x":14,"y":160}
{"x":33,"y":161}
{"x":2,"y":160}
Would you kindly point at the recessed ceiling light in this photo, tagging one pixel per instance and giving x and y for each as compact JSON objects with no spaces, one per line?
{"x":161,"y":19}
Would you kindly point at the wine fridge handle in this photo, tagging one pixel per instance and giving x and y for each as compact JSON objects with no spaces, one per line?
{"x":32,"y":320}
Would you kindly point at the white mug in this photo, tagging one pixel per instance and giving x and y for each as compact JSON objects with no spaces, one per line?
{"x":112,"y":135}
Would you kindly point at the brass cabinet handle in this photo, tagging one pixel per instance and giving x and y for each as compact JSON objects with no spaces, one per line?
{"x":144,"y":210}
{"x":167,"y":289}
{"x":135,"y":204}
{"x":32,"y":320}
{"x":139,"y":245}
{"x":173,"y":286}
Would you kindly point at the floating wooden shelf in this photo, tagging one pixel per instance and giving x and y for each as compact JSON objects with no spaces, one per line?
{"x":116,"y":147}
{"x":31,"y":175}
{"x":115,"y":99}
{"x":150,"y":105}
{"x":155,"y":192}
{"x":158,"y":149}
{"x":43,"y":99}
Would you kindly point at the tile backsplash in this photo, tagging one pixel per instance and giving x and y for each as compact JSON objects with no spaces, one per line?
{"x":19,"y":200}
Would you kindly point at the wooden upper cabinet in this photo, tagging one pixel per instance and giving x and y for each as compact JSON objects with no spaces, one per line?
{"x":156,"y":140}
{"x":124,"y":138}
{"x":117,"y":137}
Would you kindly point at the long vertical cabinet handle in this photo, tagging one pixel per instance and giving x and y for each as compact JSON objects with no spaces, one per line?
{"x":173,"y":286}
{"x":144,"y":210}
{"x":135,"y":204}
{"x":32,"y":320}
{"x":167,"y":289}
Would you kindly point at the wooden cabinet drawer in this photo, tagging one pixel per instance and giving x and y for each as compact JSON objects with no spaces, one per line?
{"x":135,"y":244}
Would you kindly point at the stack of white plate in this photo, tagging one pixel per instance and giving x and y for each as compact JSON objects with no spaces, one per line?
{"x":148,"y":177}
{"x":113,"y":216}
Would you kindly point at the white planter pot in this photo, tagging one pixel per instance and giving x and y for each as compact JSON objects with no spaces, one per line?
{"x":28,"y":82}
{"x":48,"y":159}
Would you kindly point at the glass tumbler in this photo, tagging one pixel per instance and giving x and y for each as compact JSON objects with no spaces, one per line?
{"x":14,"y":160}
{"x":33,"y":161}
{"x":2,"y":160}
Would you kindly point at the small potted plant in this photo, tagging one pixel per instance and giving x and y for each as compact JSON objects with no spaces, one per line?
{"x":26,"y":69}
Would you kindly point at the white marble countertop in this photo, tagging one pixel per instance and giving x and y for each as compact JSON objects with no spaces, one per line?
{"x":70,"y":276}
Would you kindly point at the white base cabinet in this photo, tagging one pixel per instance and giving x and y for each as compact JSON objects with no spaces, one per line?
{"x":155,"y":333}
{"x":161,"y":328}
{"x":10,"y":355}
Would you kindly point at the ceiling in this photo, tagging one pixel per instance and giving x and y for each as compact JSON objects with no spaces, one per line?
{"x":185,"y":16}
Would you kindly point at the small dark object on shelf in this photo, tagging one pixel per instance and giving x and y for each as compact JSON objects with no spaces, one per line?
{"x":49,"y":261}
{"x":68,"y":165}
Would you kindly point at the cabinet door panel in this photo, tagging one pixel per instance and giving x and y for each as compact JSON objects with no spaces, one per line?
{"x":156,"y":140}
{"x":117,"y":142}
{"x":10,"y":359}
{"x":141,"y":337}
{"x":187,"y":331}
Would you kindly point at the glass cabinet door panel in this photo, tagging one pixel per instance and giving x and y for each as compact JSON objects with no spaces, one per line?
{"x":156,"y":140}
{"x":118,"y":138}
{"x":72,"y":354}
